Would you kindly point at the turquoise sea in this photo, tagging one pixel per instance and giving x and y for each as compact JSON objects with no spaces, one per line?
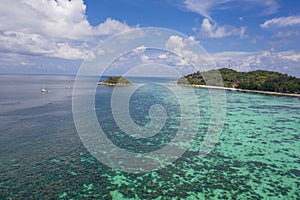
{"x":42,"y":157}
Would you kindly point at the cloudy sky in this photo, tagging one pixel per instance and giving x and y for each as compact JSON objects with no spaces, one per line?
{"x":55,"y":36}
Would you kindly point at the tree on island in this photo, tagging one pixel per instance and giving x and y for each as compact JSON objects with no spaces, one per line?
{"x":117,"y":80}
{"x":255,"y":80}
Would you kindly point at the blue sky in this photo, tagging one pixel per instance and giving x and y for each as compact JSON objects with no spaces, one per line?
{"x":54,"y":37}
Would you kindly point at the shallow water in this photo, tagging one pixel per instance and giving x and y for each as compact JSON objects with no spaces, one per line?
{"x":42,"y":157}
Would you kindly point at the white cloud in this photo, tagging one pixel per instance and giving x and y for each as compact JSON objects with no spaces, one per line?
{"x":290,"y":55}
{"x":100,"y":51}
{"x":284,"y":61}
{"x":209,"y":30}
{"x":289,"y":33}
{"x":51,"y":28}
{"x":175,"y":44}
{"x":58,"y":19}
{"x":66,"y":51}
{"x":162,"y":56}
{"x":270,"y":6}
{"x":181,"y":46}
{"x":145,"y":58}
{"x":34,"y":44}
{"x":139,"y":49}
{"x":201,"y":7}
{"x":282,"y":22}
{"x":109,"y":27}
{"x":206,"y":7}
{"x":188,"y":55}
{"x":178,"y":54}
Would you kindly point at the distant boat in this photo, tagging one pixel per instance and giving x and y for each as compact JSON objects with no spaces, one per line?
{"x":44,"y":90}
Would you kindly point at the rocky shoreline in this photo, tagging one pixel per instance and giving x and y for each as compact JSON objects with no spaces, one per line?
{"x":114,"y":84}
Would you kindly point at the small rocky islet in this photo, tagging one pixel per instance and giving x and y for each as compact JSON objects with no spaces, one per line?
{"x":116,"y":81}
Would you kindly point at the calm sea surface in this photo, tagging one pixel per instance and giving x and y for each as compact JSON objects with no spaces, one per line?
{"x":42,"y":156}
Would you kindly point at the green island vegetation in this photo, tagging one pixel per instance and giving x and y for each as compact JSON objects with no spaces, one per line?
{"x":255,"y":80}
{"x":117,"y":80}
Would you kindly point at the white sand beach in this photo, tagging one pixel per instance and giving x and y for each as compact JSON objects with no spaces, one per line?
{"x":244,"y":90}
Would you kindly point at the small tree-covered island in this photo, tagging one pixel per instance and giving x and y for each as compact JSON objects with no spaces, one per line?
{"x":259,"y":80}
{"x":116,"y":81}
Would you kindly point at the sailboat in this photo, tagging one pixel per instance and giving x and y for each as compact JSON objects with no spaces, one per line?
{"x":44,"y":90}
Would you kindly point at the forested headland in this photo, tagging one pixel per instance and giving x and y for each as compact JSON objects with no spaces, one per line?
{"x":255,"y":80}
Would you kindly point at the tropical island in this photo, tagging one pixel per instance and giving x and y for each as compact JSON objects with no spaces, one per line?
{"x":260,"y":81}
{"x":116,"y":81}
